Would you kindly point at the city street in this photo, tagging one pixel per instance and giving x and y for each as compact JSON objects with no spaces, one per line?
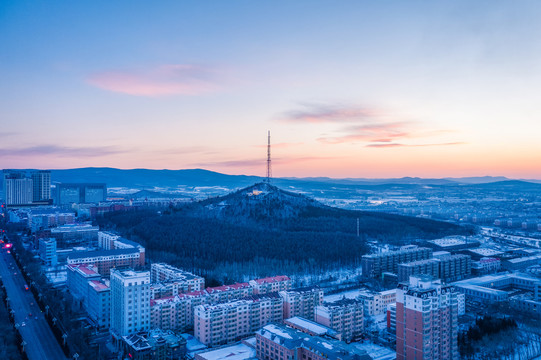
{"x":40,"y":341}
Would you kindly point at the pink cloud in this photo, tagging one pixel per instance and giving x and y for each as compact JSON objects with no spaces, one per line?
{"x":172,"y":79}
{"x":385,"y":132}
{"x":383,"y":145}
{"x":319,"y":113}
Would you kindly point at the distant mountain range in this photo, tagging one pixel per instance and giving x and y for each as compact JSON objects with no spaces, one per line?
{"x":150,"y":179}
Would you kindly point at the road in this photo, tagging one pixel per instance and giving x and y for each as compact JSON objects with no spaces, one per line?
{"x":39,"y":338}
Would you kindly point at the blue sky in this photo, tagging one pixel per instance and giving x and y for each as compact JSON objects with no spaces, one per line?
{"x":348,"y":89}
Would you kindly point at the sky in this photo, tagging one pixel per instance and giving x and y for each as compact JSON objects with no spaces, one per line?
{"x":368,"y":89}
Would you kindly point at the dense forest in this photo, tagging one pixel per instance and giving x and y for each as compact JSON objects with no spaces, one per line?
{"x":267,"y":232}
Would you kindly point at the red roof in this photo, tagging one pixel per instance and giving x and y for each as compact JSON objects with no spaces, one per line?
{"x":227,"y":287}
{"x":98,"y":285}
{"x":272,"y":279}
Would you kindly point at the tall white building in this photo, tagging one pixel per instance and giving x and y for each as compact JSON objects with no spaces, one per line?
{"x":130,"y":302}
{"x":18,"y":190}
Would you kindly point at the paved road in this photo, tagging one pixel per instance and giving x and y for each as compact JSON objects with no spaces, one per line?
{"x":41,"y":343}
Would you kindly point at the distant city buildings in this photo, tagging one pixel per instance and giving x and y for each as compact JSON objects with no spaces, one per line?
{"x":426,"y":320}
{"x":23,"y":189}
{"x":80,"y":193}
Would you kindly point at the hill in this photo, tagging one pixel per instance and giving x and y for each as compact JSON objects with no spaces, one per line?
{"x":263,"y":230}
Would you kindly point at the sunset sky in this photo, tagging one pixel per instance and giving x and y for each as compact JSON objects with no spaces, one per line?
{"x":347,"y":88}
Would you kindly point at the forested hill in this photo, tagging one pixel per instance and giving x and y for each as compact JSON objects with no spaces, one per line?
{"x":267,"y":230}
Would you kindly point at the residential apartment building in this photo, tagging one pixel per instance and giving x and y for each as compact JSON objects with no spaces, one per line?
{"x":130,"y":302}
{"x":226,"y":293}
{"x":346,"y":316}
{"x":181,"y":281}
{"x":446,"y":267}
{"x":279,"y":342}
{"x":426,"y":320}
{"x":229,"y":322}
{"x":271,"y":284}
{"x":176,"y":312}
{"x":301,"y":302}
{"x":375,"y":265}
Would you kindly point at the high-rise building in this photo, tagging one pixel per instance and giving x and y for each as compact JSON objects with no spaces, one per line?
{"x":17,"y":188}
{"x":130,"y":302}
{"x":41,"y":182}
{"x":426,"y":320}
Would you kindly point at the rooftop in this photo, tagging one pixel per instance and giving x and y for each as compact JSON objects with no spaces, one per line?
{"x":100,"y":253}
{"x":309,"y":325}
{"x":233,"y":352}
{"x":272,"y":279}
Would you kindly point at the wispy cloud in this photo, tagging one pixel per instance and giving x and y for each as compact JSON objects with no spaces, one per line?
{"x":62,"y":151}
{"x":364,"y":124}
{"x":321,"y":113}
{"x":385,"y":132}
{"x":388,"y":145}
{"x":259,"y":162}
{"x":163,"y":80}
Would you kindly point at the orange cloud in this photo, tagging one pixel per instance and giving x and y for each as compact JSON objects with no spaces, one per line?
{"x":173,"y":79}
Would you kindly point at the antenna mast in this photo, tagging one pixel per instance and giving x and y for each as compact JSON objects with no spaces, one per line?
{"x":269,"y":168}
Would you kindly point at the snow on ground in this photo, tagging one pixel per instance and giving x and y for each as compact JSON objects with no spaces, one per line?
{"x":351,"y":294}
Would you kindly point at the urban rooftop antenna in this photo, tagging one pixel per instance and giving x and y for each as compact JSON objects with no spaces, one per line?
{"x":269,"y":167}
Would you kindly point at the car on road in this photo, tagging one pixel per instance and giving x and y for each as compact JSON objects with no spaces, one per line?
{"x":26,"y":287}
{"x":23,"y":324}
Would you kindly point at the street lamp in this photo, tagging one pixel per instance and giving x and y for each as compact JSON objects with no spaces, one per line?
{"x":23,"y":344}
{"x":75,"y":356}
{"x":47,"y":309}
{"x":65,"y":336}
